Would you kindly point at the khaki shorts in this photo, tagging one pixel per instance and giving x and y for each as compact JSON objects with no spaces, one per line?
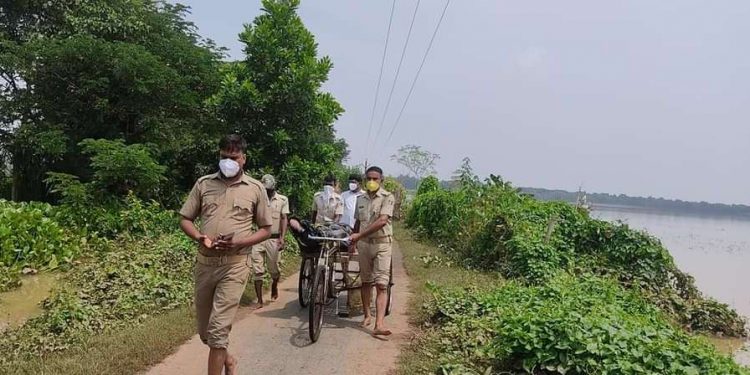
{"x":219,"y":284}
{"x":375,"y":261}
{"x":268,"y":249}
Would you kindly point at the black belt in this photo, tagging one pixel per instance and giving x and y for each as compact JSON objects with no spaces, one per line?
{"x":275,"y":235}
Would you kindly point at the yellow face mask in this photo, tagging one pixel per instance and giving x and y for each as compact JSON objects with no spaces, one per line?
{"x":372,"y":186}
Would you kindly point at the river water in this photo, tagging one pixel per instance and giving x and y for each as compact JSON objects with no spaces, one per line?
{"x":714,"y":250}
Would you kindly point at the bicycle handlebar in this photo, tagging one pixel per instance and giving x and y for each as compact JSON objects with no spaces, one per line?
{"x":329,"y":239}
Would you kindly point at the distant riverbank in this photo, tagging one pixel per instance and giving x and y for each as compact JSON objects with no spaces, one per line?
{"x":641,"y":204}
{"x":667,"y":211}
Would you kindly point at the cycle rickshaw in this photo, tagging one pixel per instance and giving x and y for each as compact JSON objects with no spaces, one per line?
{"x":324,"y":270}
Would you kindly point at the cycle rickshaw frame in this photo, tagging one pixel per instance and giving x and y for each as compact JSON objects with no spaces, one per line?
{"x":318,"y":286}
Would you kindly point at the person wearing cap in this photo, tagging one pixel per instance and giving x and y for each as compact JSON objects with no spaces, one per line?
{"x":373,"y":239}
{"x":227,"y":203}
{"x":349,"y":198}
{"x":268,"y":251}
{"x":327,"y":204}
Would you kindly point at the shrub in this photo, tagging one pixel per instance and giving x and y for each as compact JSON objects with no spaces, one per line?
{"x":573,"y":325}
{"x":493,"y":227}
{"x":114,"y":288}
{"x":30,"y":237}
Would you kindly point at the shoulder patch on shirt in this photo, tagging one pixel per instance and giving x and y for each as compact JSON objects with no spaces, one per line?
{"x":208,"y":177}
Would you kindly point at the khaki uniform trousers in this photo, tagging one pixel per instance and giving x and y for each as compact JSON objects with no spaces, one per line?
{"x":219,"y":284}
{"x":266,"y":253}
{"x":375,"y":260}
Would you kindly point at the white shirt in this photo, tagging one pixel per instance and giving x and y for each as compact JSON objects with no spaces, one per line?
{"x":350,"y":203}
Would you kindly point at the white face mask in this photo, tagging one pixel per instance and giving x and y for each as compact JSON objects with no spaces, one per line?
{"x":229,"y":168}
{"x":353,"y":186}
{"x":327,"y":192}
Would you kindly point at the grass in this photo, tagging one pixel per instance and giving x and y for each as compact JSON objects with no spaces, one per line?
{"x":125,"y":351}
{"x":426,"y":265}
{"x":134,"y":349}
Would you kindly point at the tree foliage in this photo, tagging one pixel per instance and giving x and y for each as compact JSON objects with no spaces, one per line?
{"x":274,"y":98}
{"x":125,"y":69}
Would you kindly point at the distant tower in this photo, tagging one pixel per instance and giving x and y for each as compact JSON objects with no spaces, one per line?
{"x":581,"y":199}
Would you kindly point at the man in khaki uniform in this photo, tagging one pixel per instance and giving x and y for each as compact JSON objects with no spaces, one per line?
{"x":227,"y":204}
{"x":327,"y":204}
{"x":373,"y":239}
{"x":269,"y":251}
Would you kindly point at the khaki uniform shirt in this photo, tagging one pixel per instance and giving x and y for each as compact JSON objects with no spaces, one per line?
{"x":327,"y":211}
{"x":279,"y":206}
{"x":224,"y":209}
{"x":369,"y":210}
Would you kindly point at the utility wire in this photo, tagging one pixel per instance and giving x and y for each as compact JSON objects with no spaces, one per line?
{"x":380,"y":78}
{"x":398,"y":70}
{"x":416,"y":77}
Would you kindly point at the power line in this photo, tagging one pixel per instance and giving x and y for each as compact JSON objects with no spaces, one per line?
{"x":398,"y":70}
{"x":414,"y":82}
{"x":380,"y":78}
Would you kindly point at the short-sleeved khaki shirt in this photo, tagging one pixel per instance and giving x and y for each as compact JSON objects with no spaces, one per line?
{"x":279,"y":206}
{"x":224,"y":209}
{"x":327,"y":211}
{"x":369,"y":210}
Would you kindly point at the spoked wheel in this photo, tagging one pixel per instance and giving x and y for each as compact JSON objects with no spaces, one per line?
{"x":305,"y":280}
{"x":318,"y":301}
{"x":389,"y":304}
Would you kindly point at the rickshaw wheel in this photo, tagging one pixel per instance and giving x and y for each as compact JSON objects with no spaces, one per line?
{"x":318,"y":300}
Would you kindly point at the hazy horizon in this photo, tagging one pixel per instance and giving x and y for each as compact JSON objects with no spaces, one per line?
{"x":640,"y":98}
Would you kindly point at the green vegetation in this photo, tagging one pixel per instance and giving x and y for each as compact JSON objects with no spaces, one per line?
{"x":132,"y":291}
{"x":274,"y":99}
{"x":430,"y":269}
{"x":583,"y":290}
{"x":31,"y":238}
{"x":392,"y":185}
{"x":119,"y":286}
{"x":110,"y":110}
{"x":94,"y":69}
{"x":130,"y":89}
{"x":123,"y":351}
{"x":582,"y":325}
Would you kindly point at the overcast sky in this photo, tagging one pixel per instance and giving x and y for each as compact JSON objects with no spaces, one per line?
{"x":639,"y":97}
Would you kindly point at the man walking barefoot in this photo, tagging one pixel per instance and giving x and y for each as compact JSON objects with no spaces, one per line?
{"x":227,"y":203}
{"x":374,"y":240}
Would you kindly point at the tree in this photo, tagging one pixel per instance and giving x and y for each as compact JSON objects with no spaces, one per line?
{"x":274,"y":99}
{"x":118,"y":170}
{"x":104,"y":69}
{"x":419,"y":162}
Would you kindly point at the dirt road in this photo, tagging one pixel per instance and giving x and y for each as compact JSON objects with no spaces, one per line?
{"x":274,"y":340}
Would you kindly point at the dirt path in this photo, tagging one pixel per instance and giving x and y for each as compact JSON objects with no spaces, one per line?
{"x":274,"y":340}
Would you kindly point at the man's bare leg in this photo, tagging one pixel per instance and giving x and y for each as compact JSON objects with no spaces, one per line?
{"x":230,"y":365}
{"x":366,"y":292}
{"x":381,"y":300}
{"x":219,"y":360}
{"x":275,"y":289}
{"x":259,"y":294}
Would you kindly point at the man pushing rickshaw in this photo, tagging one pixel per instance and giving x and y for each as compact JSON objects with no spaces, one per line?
{"x":327,"y":247}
